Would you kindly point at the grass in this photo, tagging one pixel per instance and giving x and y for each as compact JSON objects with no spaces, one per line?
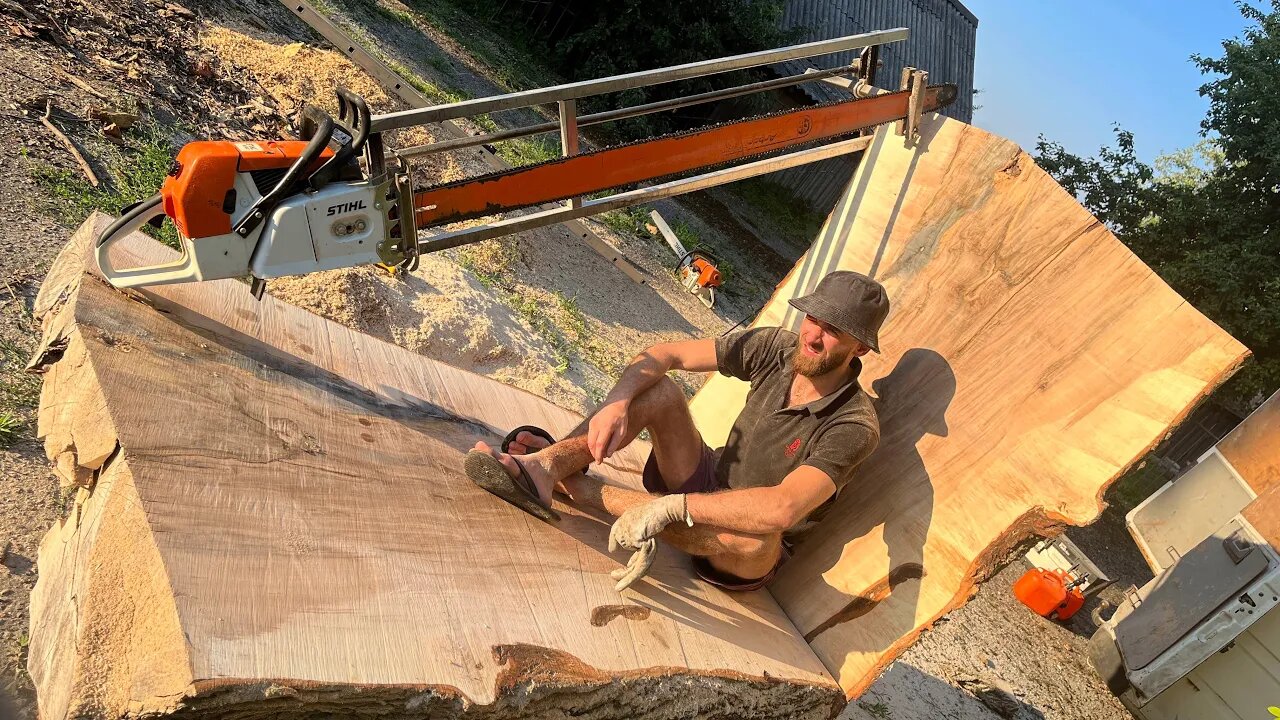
{"x":876,"y":709}
{"x":627,"y":221}
{"x":19,"y":391}
{"x":492,"y":262}
{"x":10,"y":427}
{"x":521,"y":151}
{"x":515,"y":68}
{"x":561,"y":324}
{"x":136,"y":173}
{"x":1137,"y":485}
{"x":527,"y":151}
{"x":788,"y":212}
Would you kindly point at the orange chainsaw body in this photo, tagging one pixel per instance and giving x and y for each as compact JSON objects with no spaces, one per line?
{"x":199,"y":195}
{"x":708,"y":275}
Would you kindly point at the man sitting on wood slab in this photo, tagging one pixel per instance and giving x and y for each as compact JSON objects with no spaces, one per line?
{"x":806,"y":426}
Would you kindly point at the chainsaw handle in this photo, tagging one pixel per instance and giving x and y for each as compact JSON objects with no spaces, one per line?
{"x":181,"y":270}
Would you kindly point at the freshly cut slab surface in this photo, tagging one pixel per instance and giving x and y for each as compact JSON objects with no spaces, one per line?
{"x":1028,"y":360}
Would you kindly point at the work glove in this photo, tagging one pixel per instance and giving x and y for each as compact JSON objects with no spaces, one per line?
{"x":636,"y":529}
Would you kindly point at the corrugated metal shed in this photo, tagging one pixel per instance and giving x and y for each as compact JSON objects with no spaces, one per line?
{"x":943,"y":36}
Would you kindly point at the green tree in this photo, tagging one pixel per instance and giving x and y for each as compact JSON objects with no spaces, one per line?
{"x":1207,"y":219}
{"x":585,"y":39}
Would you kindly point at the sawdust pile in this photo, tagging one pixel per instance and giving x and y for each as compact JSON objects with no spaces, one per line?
{"x":439,"y":311}
{"x":294,"y":74}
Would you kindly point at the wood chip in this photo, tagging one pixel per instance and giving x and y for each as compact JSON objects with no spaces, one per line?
{"x":121,"y":120}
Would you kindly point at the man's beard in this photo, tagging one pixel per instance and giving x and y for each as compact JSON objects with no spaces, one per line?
{"x":811,"y":366}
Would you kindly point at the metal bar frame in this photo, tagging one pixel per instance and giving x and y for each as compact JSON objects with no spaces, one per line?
{"x":520,"y":223}
{"x":627,"y":112}
{"x":617,"y":83}
{"x":569,"y":134}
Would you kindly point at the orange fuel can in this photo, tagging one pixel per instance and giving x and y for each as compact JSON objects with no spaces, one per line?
{"x":1049,"y":593}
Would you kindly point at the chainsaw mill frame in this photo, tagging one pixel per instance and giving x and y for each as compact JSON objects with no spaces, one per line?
{"x":857,"y":77}
{"x":294,"y":210}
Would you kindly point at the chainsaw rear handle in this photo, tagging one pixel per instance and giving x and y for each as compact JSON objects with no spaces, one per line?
{"x":181,"y":270}
{"x":689,"y":256}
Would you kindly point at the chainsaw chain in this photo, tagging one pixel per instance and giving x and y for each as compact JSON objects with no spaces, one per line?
{"x":692,"y":131}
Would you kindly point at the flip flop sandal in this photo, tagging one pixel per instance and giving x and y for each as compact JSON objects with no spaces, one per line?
{"x":537,"y":431}
{"x":484,"y":470}
{"x":532,"y":430}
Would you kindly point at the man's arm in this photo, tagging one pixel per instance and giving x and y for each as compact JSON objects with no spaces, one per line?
{"x":764,"y":510}
{"x":608,"y":427}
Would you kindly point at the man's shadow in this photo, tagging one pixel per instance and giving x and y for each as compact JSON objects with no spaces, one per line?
{"x":893,"y":489}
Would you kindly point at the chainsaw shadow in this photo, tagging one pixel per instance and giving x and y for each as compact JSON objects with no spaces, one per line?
{"x":893,"y":492}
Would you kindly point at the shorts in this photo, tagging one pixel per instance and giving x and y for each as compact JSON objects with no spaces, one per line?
{"x":703,"y":480}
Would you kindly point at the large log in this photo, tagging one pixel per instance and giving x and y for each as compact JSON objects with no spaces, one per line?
{"x":272,"y":522}
{"x":1028,"y":360}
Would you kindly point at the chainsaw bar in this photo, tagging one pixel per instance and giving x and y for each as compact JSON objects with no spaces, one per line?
{"x":656,"y":158}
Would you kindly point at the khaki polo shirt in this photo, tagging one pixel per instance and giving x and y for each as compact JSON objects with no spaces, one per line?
{"x":833,"y":433}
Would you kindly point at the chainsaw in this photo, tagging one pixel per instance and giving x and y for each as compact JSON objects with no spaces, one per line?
{"x":696,"y":269}
{"x":337,"y":198}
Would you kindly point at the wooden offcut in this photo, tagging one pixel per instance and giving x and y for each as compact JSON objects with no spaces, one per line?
{"x":1028,"y":360}
{"x":271,"y":520}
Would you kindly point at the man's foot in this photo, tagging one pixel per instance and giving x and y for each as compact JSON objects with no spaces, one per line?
{"x":522,"y":446}
{"x":488,"y":472}
{"x":527,"y":443}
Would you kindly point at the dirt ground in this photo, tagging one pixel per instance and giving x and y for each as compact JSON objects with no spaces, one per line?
{"x":540,"y":311}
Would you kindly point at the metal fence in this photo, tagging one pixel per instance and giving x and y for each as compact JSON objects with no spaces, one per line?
{"x":943,"y":35}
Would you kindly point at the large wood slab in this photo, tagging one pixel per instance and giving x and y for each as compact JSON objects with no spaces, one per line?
{"x":1028,"y":360}
{"x":272,"y":522}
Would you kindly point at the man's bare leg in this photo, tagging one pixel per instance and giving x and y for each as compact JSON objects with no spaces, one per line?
{"x":677,"y":448}
{"x":662,"y":409}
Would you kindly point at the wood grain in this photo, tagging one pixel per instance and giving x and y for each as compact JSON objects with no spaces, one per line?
{"x":1253,"y":447}
{"x":1028,"y":360}
{"x":285,"y":528}
{"x":1264,"y":515}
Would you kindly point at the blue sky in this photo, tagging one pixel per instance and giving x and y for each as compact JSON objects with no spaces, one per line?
{"x":1069,"y":70}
